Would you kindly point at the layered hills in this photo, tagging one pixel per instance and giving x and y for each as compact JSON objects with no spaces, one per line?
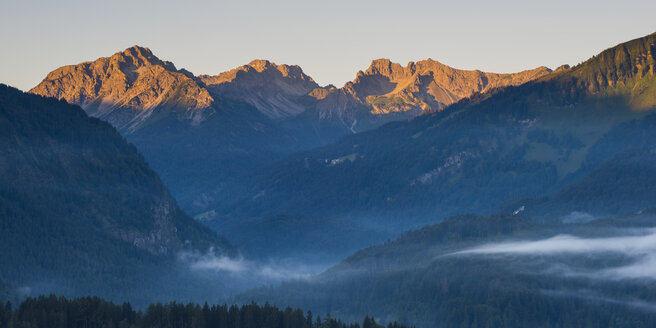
{"x":548,"y":261}
{"x":286,"y":166}
{"x":465,"y":272}
{"x":475,"y":155}
{"x":553,"y":261}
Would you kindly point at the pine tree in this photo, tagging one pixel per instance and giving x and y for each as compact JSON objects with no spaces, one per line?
{"x":308,"y":322}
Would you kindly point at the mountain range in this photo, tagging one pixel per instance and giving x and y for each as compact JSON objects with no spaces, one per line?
{"x":136,"y":79}
{"x":263,"y":145}
{"x":425,"y":86}
{"x":380,"y":176}
{"x":206,"y":134}
{"x":477,"y":154}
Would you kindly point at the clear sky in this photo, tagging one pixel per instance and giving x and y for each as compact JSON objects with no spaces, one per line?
{"x":330,"y":40}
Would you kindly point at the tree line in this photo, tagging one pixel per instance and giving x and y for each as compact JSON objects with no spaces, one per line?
{"x":92,"y":312}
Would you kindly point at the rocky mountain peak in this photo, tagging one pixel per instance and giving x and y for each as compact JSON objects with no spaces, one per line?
{"x":630,"y":66}
{"x":258,"y":69}
{"x":379,"y":66}
{"x":387,"y":68}
{"x":131,"y":80}
{"x":562,"y":68}
{"x":273,"y":89}
{"x":261,"y":64}
{"x":141,"y":56}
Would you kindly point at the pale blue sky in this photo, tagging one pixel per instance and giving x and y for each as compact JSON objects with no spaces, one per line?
{"x":330,"y":40}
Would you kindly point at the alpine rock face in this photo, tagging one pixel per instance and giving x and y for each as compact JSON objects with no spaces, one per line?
{"x":275,"y":90}
{"x":128,"y":88}
{"x":425,"y":86}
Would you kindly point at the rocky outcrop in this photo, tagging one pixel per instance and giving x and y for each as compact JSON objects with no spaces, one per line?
{"x":161,"y":239}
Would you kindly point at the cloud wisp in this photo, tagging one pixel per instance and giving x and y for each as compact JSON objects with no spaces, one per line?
{"x":639,"y":248}
{"x":272,"y":271}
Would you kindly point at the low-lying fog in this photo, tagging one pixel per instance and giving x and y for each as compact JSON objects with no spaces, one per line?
{"x":638,"y":246}
{"x":251,"y":273}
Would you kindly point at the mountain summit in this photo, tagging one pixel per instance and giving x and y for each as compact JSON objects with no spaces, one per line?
{"x":627,"y":70}
{"x":124,"y":88}
{"x":275,"y":90}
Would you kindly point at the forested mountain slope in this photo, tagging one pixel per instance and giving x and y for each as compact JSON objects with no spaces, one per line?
{"x":623,"y":184}
{"x":81,"y":212}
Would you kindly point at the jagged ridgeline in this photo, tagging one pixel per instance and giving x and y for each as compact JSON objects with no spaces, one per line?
{"x":201,"y":134}
{"x":478,"y":154}
{"x":206,"y":134}
{"x":80,"y":210}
